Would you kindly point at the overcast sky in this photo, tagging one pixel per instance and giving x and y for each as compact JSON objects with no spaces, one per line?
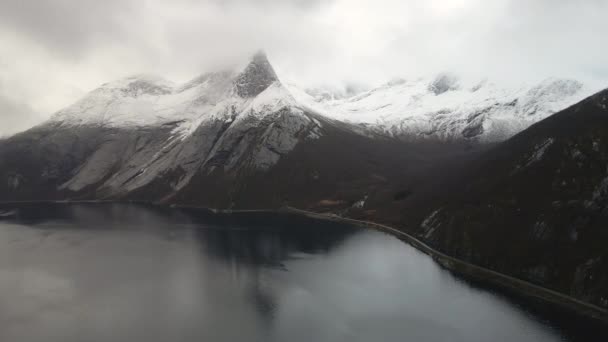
{"x":54,"y":51}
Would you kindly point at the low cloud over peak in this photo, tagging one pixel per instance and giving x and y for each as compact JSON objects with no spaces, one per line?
{"x":55,"y":51}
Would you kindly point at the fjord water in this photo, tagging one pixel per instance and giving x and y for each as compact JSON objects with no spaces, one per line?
{"x":118,"y":272}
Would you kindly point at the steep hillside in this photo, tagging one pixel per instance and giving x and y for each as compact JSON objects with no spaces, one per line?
{"x":234,"y":138}
{"x":337,"y":172}
{"x":129,"y":133}
{"x":224,"y":139}
{"x":535,"y":206}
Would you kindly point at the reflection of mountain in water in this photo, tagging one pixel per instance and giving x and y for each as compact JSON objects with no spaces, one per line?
{"x":249,"y":245}
{"x":248,"y":238}
{"x":69,"y":271}
{"x":280,"y":237}
{"x":254,"y":243}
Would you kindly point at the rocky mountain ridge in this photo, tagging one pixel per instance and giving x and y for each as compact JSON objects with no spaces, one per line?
{"x":447,"y":108}
{"x":141,"y":129}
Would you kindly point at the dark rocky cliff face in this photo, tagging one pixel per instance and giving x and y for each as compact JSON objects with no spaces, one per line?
{"x":330,"y":174}
{"x":257,"y":76}
{"x":536,"y":206}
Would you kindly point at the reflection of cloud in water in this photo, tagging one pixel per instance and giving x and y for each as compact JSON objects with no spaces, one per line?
{"x":254,"y":255}
{"x":36,"y":289}
{"x":32,"y":295}
{"x":372,"y":286}
{"x":133,"y":273}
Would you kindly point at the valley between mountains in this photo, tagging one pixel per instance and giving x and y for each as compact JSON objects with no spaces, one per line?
{"x":514,"y":179}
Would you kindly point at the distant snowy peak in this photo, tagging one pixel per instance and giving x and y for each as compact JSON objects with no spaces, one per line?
{"x":443,"y":107}
{"x":448,"y":108}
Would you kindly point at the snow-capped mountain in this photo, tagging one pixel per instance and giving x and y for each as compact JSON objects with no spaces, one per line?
{"x":447,"y":108}
{"x":149,"y":101}
{"x":444,"y":107}
{"x":243,"y":139}
{"x":146,"y":137}
{"x":141,"y":129}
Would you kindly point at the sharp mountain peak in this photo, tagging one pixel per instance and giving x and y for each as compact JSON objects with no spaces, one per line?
{"x":256,"y":77}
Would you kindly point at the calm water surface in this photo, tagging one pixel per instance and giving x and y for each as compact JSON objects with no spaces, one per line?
{"x":133,"y":273}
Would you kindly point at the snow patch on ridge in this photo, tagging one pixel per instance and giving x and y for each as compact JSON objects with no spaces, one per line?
{"x":225,"y":120}
{"x":444,"y":107}
{"x":271,"y":100}
{"x":430,"y":224}
{"x":448,"y":108}
{"x":539,"y":151}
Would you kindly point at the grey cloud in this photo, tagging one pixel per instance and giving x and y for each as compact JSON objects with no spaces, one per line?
{"x":15,"y":117}
{"x":510,"y":38}
{"x":303,"y":4}
{"x":72,"y":46}
{"x":66,"y":26}
{"x":71,"y":27}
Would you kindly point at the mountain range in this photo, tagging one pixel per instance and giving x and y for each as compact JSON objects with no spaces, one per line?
{"x":484,"y":172}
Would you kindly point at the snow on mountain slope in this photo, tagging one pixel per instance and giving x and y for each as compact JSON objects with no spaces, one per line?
{"x":149,"y":101}
{"x":228,"y":120}
{"x":447,"y":108}
{"x":444,"y":107}
{"x":141,"y":129}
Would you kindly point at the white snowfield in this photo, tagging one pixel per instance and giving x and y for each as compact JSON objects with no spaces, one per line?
{"x":225,"y":120}
{"x":443,"y":107}
{"x":221,"y":123}
{"x":144,"y":101}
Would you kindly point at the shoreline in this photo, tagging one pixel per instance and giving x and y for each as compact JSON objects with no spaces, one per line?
{"x":460,"y":267}
{"x":468,"y":270}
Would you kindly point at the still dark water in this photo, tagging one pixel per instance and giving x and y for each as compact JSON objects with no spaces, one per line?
{"x":133,"y":273}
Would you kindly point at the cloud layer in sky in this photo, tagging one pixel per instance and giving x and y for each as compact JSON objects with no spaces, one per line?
{"x":54,"y":51}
